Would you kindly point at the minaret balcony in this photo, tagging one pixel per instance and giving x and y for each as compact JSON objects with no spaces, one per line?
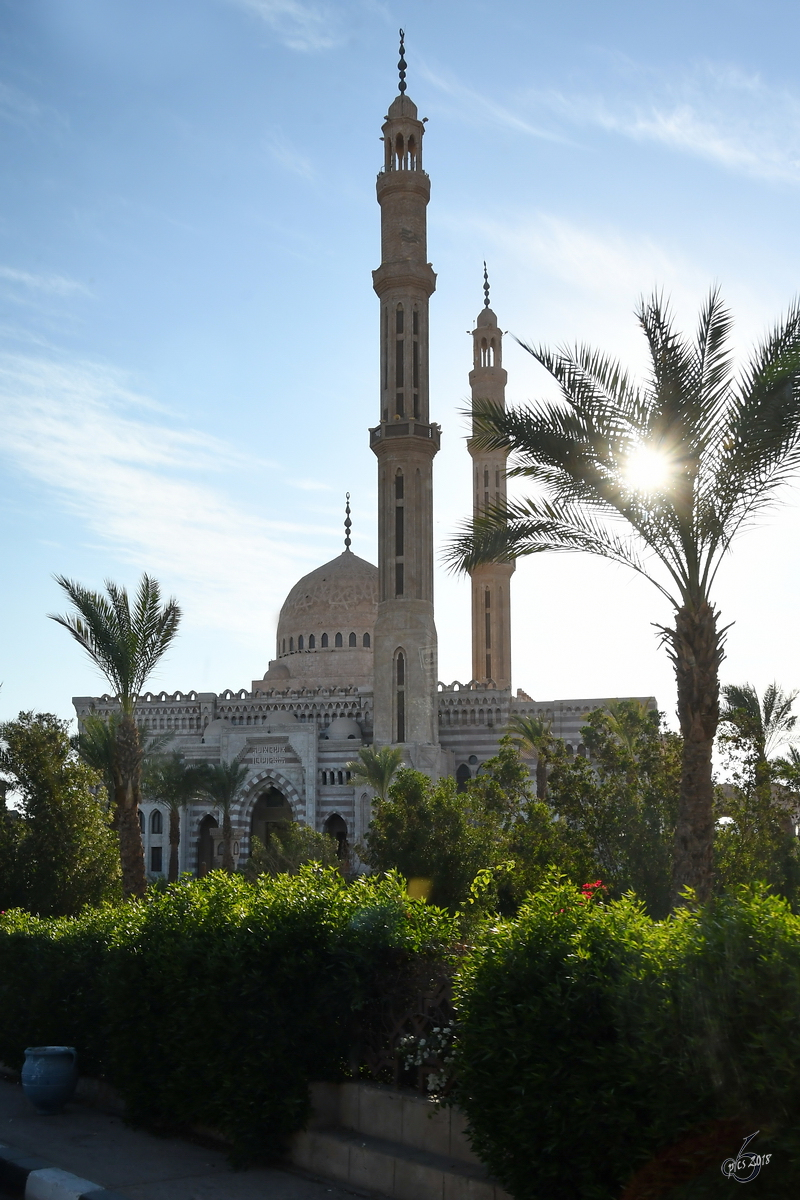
{"x":405,"y":429}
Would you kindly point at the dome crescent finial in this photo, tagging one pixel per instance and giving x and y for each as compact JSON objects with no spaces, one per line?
{"x":348,"y":524}
{"x":401,"y":66}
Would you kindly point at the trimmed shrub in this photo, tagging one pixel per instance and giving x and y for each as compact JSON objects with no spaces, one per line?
{"x":214,"y":1002}
{"x":600,"y":1051}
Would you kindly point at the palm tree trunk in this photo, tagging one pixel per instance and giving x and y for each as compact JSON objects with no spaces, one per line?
{"x":174,"y":842}
{"x":127,"y":789}
{"x":541,"y":776}
{"x":695,"y":646}
{"x":227,"y":838}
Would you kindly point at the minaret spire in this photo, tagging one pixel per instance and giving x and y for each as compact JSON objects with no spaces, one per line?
{"x":491,"y":611}
{"x":401,"y":66}
{"x":405,"y":442}
{"x":348,"y":524}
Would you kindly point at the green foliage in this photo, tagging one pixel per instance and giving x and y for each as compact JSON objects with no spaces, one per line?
{"x":595,"y":1045}
{"x":242,"y":992}
{"x":429,"y":831}
{"x":290,"y":847}
{"x":621,"y":809}
{"x":61,"y":852}
{"x":125,"y":641}
{"x":376,"y":768}
{"x":755,"y":837}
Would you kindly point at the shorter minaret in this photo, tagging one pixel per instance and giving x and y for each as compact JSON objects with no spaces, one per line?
{"x":491,"y":584}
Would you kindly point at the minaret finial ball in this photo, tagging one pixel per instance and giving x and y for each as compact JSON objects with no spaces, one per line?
{"x":401,"y":66}
{"x":485,"y":286}
{"x":348,"y":524}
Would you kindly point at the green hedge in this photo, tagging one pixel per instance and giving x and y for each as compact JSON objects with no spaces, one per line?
{"x":602,"y":1054}
{"x":213,"y":1001}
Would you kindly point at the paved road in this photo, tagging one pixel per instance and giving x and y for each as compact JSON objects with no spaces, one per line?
{"x":102,"y":1148}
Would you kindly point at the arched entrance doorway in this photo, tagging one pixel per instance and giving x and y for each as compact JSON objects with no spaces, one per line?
{"x":270,"y":809}
{"x":463,"y":776}
{"x":336,"y":828}
{"x":205,"y":845}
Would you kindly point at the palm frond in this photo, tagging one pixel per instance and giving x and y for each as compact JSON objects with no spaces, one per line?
{"x":124,"y":645}
{"x":520,"y":528}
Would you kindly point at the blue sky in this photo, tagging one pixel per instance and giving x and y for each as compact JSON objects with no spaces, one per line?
{"x":188,"y":335}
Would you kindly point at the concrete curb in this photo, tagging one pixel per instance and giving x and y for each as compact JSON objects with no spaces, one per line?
{"x":34,"y":1179}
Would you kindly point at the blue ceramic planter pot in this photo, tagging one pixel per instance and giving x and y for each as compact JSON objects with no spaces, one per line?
{"x":49,"y":1077}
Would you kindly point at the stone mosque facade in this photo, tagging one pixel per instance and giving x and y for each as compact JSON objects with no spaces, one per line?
{"x":356,"y":651}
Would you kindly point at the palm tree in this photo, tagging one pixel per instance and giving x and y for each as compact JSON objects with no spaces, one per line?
{"x":222,"y":784}
{"x":376,"y":768}
{"x":125,"y":643}
{"x":658,"y":476}
{"x":174,"y":783}
{"x":95,"y":743}
{"x":535,"y":734}
{"x":763,"y":724}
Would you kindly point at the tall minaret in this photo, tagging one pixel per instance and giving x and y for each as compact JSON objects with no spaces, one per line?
{"x":405,"y":654}
{"x":491,"y":607}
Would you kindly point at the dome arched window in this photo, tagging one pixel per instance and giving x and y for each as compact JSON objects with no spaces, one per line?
{"x":352,"y":640}
{"x":300,"y":643}
{"x":312,"y":642}
{"x":291,"y":645}
{"x":324,"y":642}
{"x":365,"y":641}
{"x":338,"y":642}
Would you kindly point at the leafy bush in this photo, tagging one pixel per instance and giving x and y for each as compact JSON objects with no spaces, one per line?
{"x":290,"y":847}
{"x":213,"y":1001}
{"x":61,"y":852}
{"x":430,"y":832}
{"x":599,"y":1050}
{"x":620,"y":810}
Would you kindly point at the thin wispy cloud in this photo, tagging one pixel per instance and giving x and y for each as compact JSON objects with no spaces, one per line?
{"x":714,"y":112}
{"x":483,"y":107}
{"x":310,"y":485}
{"x":300,"y":26}
{"x":288,"y":156}
{"x":56,"y":285}
{"x":16,"y":106}
{"x":154,"y":495}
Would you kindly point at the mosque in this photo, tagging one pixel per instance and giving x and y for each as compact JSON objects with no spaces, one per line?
{"x":355,"y":652}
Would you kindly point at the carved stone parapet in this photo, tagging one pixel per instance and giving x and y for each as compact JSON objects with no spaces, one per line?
{"x":404,"y":276}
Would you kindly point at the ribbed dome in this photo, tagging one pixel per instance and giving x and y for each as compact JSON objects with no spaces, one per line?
{"x":330,"y":614}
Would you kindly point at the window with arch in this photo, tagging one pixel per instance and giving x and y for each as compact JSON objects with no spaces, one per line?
{"x":312,"y":642}
{"x":338,"y":642}
{"x":463,"y":776}
{"x":324,"y":641}
{"x":156,"y":821}
{"x":352,"y":640}
{"x":300,"y":643}
{"x":291,"y":645}
{"x":365,"y":641}
{"x":400,"y":695}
